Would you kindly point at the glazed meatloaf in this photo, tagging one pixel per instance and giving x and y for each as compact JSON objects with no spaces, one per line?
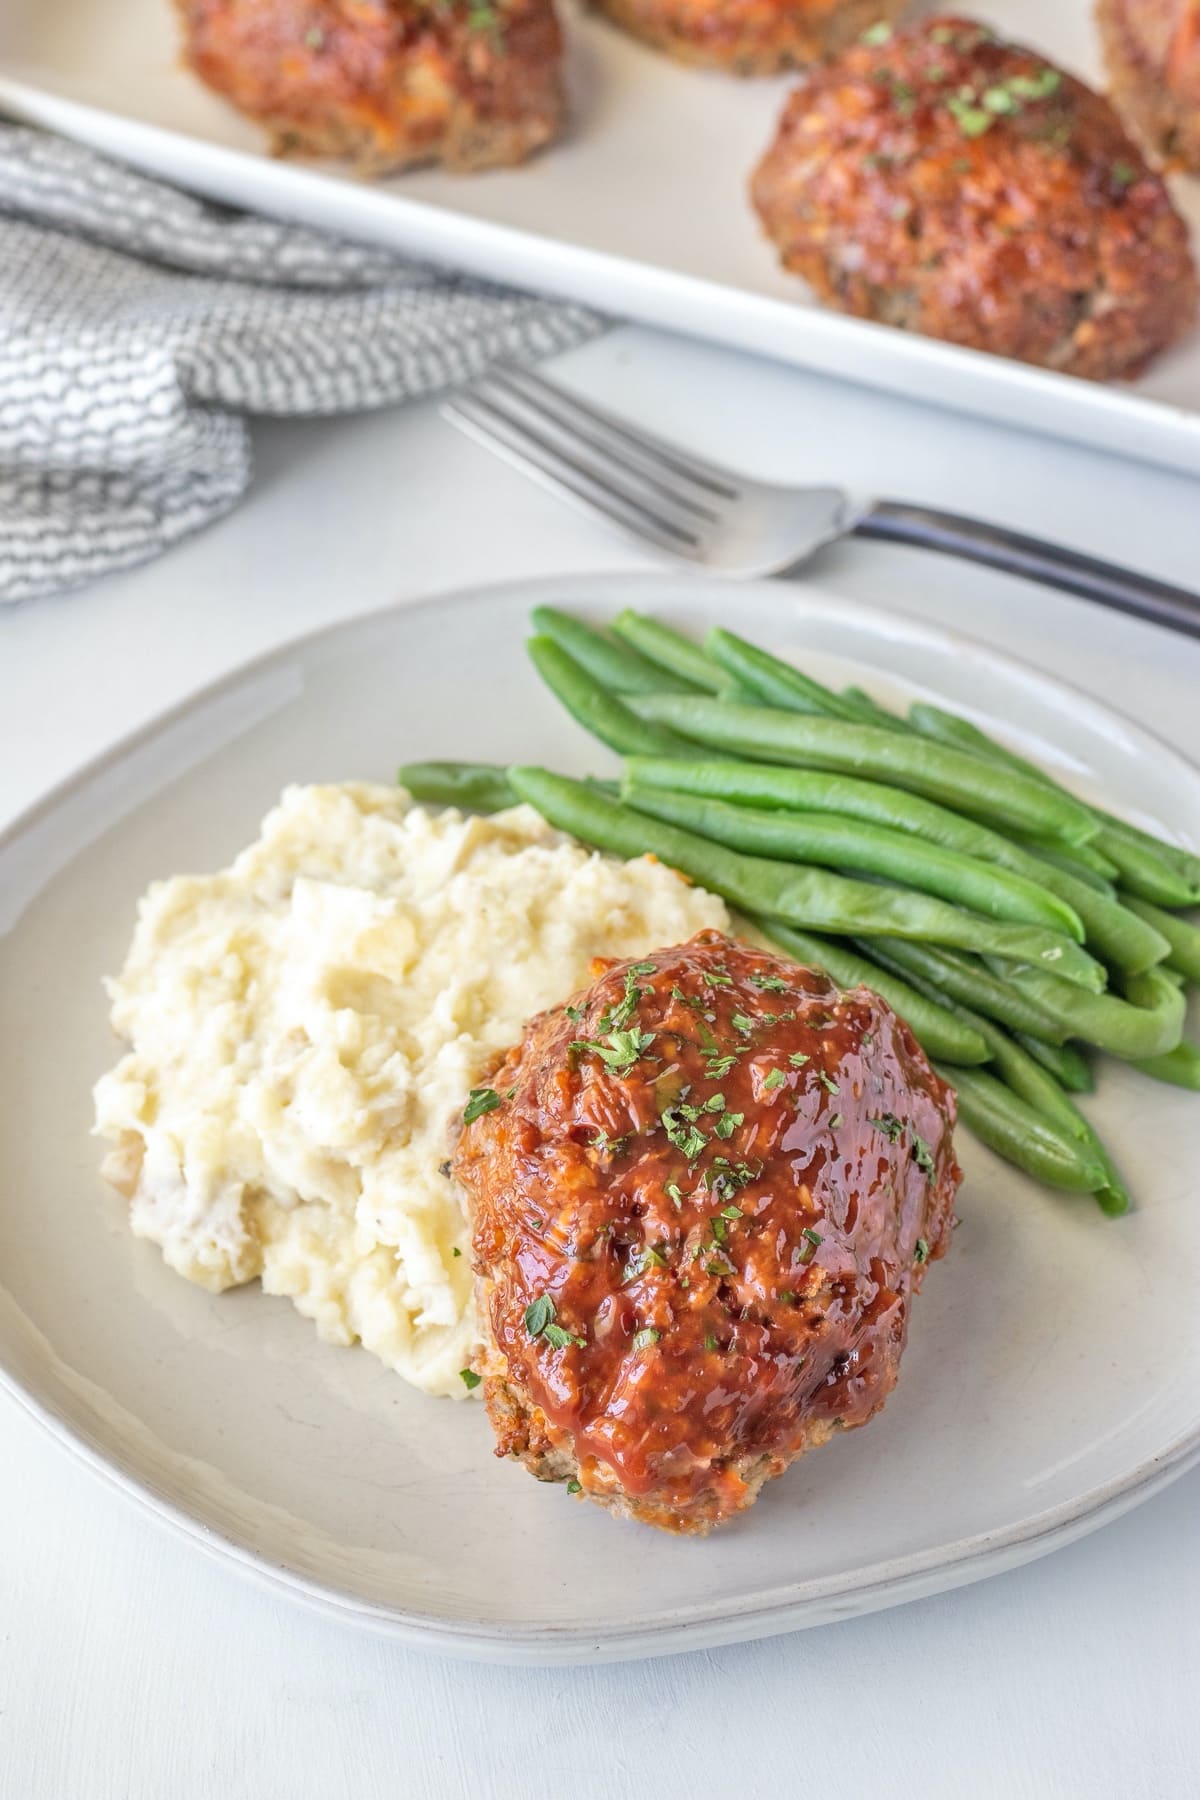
{"x":387,"y":84}
{"x":1152,"y":48}
{"x":941,"y":179}
{"x":704,"y":1194}
{"x":749,"y":37}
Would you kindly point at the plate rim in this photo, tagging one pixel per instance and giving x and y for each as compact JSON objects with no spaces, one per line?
{"x":1096,"y":415}
{"x":816,"y":1601}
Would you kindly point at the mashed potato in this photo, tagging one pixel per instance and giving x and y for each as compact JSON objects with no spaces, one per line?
{"x":305,"y":1027}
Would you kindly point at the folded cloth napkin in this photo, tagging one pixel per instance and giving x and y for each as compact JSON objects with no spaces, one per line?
{"x":138,"y":324}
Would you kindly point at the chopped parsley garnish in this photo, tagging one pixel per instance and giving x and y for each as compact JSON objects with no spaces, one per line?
{"x":728,"y":1123}
{"x":538,"y":1314}
{"x":610,"y":1146}
{"x":922,"y":1155}
{"x":741,"y":1023}
{"x":812,"y":1242}
{"x":456,"y":1251}
{"x":827,"y":1082}
{"x":787,"y":1297}
{"x":652,"y":1257}
{"x":732,"y":1212}
{"x":620,"y":1014}
{"x":469,"y":1378}
{"x":775,"y":1078}
{"x":714,"y":1104}
{"x":682,"y":1132}
{"x":798,"y":1058}
{"x":921,"y":1252}
{"x":314,"y":37}
{"x":710,"y":1342}
{"x":624,"y":1048}
{"x":574,"y":1487}
{"x":890,"y":1126}
{"x":770,"y":984}
{"x":720,"y":1230}
{"x":971,"y":120}
{"x":643,"y":1339}
{"x":715,"y":977}
{"x":536,"y":1224}
{"x":836,"y":1120}
{"x":674,"y":1193}
{"x":556,"y":1335}
{"x":880,"y":33}
{"x":1124,"y":174}
{"x":719,"y":1066}
{"x":574,"y":1013}
{"x":479,"y":1101}
{"x":1047,"y":81}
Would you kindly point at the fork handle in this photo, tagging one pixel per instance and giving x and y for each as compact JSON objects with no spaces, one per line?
{"x":1052,"y":564}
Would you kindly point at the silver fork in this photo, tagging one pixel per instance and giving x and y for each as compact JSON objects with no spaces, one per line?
{"x":723,"y":521}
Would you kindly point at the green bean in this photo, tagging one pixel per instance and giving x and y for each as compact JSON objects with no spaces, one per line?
{"x":774,"y":681}
{"x":954,"y":777}
{"x":1111,"y":930}
{"x":872,"y":712}
{"x":1083,"y":861}
{"x":935,"y":1028}
{"x":1021,"y":1135}
{"x":834,"y":841}
{"x":969,"y":982}
{"x":1148,"y":866}
{"x":668,"y":649}
{"x":1182,"y":936}
{"x":798,"y":896}
{"x":598,"y":711}
{"x":1147,"y":1023}
{"x":1184,"y":864}
{"x":1038,"y":1088}
{"x":472,"y":787}
{"x":615,"y":666}
{"x":1069,"y":1066}
{"x":1143,"y":870}
{"x":1180,"y":1066}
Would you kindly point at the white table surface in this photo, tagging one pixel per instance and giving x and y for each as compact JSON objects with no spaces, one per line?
{"x":133,"y":1668}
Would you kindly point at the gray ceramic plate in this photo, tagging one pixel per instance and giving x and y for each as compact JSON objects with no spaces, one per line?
{"x":1053,"y":1374}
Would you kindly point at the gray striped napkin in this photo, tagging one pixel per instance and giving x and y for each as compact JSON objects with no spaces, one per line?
{"x":139,"y":324}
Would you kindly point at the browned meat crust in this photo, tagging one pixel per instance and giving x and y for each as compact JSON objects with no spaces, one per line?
{"x":950,"y":183}
{"x":748,"y":37}
{"x":702,"y":1204}
{"x":1152,"y":48}
{"x":387,"y":84}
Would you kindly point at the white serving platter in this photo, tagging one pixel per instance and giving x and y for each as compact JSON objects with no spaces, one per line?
{"x":1052,"y":1378}
{"x":642,"y":211}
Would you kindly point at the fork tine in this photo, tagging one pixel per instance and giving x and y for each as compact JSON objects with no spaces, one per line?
{"x":498,"y":430}
{"x":630,"y":468}
{"x":660,"y":457}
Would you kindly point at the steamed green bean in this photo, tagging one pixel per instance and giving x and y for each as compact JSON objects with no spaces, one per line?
{"x":617,"y":666}
{"x":598,"y":711}
{"x":797,"y":895}
{"x":837,"y":842}
{"x":1021,"y":1135}
{"x":668,"y":649}
{"x":953,"y":777}
{"x":1122,"y":938}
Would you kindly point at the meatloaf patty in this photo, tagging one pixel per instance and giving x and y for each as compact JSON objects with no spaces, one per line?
{"x":940,"y":179}
{"x":749,"y":37}
{"x":704,"y":1194}
{"x":1152,"y":49}
{"x":386,"y":83}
